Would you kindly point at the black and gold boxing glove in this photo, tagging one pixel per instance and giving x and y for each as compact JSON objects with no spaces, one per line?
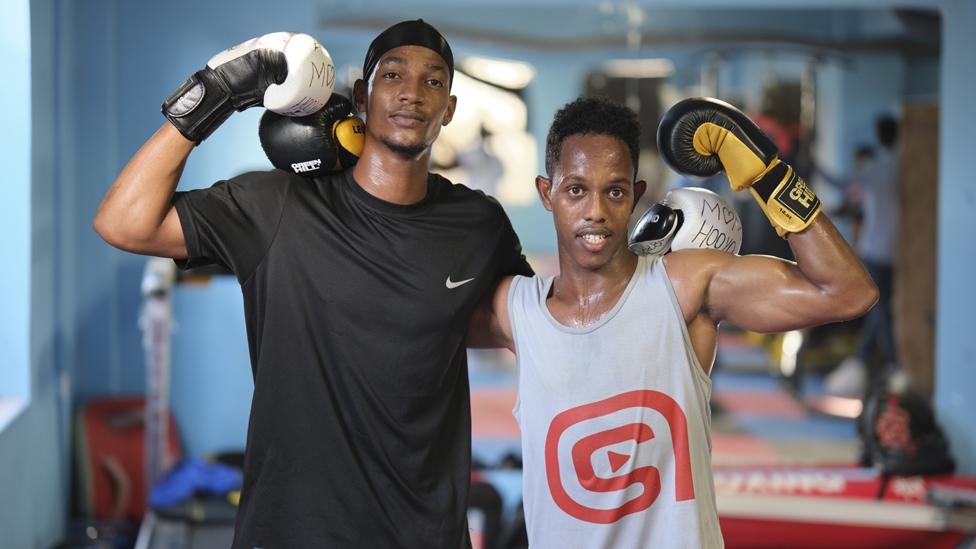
{"x":703,"y":136}
{"x":328,"y":141}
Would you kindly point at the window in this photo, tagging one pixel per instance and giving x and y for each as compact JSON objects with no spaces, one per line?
{"x":15,"y":228}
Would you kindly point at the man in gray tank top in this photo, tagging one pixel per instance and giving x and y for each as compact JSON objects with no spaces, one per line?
{"x":615,"y":351}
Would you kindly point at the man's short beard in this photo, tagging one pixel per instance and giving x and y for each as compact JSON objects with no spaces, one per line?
{"x":412,"y":151}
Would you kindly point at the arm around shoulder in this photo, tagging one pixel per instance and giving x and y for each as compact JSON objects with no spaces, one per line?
{"x":136,"y":214}
{"x":490,"y":326}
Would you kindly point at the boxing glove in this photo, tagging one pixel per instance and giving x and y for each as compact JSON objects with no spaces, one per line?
{"x":702,"y":136}
{"x":286,"y":72}
{"x":689,"y":217}
{"x":327,"y":141}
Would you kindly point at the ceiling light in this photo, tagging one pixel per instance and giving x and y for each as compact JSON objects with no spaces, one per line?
{"x":506,"y":73}
{"x":638,"y":68}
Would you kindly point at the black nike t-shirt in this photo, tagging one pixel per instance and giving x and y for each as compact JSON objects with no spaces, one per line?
{"x":356,"y":311}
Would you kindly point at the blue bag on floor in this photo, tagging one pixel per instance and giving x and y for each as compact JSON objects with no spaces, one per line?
{"x":191,"y":477}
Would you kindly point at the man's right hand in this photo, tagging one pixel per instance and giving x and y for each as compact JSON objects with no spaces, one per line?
{"x":702,"y":136}
{"x":288,"y":73}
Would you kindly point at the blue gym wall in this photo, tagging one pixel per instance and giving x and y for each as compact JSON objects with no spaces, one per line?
{"x":99,"y":70}
{"x":955,"y":352}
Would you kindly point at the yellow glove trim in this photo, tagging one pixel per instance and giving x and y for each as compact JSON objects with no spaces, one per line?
{"x":742,"y":166}
{"x":350,"y":133}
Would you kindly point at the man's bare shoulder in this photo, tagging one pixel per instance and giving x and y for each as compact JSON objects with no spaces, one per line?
{"x":689,"y":265}
{"x":691,"y":272}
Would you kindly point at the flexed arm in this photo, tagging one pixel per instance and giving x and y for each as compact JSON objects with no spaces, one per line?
{"x":286,"y":72}
{"x":827,"y":283}
{"x":137,"y":214}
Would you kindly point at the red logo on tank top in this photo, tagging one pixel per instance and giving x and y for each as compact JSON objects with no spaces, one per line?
{"x":584,"y":448}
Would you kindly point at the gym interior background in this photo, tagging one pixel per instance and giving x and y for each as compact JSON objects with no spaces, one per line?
{"x":84,"y":85}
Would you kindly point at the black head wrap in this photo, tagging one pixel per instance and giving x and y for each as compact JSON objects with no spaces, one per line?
{"x":408,"y":33}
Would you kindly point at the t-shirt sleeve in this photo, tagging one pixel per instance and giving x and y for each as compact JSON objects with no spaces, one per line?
{"x":232,"y":223}
{"x":511,"y":260}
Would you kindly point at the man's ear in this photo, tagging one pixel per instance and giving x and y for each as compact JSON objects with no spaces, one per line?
{"x":544,"y":187}
{"x":639,"y":188}
{"x":449,"y":115}
{"x":360,"y":90}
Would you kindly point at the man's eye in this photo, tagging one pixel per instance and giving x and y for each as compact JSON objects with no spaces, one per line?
{"x":575,"y":191}
{"x":436,"y":83}
{"x":389,"y":75}
{"x":616,"y":193}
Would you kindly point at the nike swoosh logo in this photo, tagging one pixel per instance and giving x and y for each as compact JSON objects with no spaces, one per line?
{"x":451,"y":284}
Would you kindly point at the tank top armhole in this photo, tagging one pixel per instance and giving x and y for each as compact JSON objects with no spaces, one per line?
{"x":514,"y":301}
{"x":699,"y":372}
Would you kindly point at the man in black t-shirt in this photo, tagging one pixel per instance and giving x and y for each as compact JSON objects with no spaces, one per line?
{"x":357,"y":292}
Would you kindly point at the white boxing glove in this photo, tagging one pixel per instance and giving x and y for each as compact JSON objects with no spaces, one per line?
{"x":688,"y":217}
{"x":289,"y":73}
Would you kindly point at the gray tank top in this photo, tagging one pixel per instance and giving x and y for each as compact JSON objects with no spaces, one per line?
{"x":615,"y":422}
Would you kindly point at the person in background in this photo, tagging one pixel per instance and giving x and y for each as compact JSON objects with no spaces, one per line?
{"x":876,"y":184}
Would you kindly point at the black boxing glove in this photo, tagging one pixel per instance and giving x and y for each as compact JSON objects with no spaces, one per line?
{"x":703,"y":136}
{"x":328,"y":141}
{"x":289,"y":73}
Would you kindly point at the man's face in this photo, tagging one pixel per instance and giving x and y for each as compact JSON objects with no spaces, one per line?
{"x":406,"y":100}
{"x":591,"y":196}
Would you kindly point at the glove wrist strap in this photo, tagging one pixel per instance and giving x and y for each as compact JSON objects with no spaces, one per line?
{"x":785,"y":198}
{"x":198,"y":106}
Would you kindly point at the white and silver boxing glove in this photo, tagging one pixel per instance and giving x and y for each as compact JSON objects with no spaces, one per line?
{"x":289,"y":73}
{"x":688,"y":217}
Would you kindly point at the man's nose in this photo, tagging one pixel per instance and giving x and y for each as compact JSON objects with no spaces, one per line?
{"x":411,"y":90}
{"x":596,"y":208}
